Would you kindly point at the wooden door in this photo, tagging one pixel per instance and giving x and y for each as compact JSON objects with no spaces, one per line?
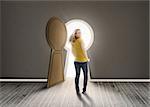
{"x":56,"y":35}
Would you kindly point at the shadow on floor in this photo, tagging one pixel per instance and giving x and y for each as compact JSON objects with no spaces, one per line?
{"x":86,"y":103}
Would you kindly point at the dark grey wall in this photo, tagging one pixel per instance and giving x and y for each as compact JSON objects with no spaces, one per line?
{"x":149,"y":42}
{"x":0,"y":44}
{"x":120,"y":49}
{"x":121,"y":42}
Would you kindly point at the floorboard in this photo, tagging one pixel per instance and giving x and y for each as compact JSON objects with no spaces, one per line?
{"x":99,"y":94}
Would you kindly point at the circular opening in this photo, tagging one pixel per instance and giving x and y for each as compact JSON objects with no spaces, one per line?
{"x":86,"y":32}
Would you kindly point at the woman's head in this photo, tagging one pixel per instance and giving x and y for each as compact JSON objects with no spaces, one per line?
{"x":77,"y":33}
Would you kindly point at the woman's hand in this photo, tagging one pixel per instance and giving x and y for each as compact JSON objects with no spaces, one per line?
{"x":88,"y":59}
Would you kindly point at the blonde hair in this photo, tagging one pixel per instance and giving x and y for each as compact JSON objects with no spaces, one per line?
{"x":73,"y":36}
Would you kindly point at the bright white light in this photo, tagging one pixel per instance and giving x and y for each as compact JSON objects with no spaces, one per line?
{"x":87,"y":35}
{"x":86,"y":32}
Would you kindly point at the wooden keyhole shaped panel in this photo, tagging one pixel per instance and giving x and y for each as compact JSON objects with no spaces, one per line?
{"x":56,"y":35}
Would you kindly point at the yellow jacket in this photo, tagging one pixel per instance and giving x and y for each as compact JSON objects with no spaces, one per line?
{"x":79,"y":51}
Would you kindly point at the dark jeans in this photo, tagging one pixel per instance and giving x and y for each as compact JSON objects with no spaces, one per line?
{"x":78,"y":66}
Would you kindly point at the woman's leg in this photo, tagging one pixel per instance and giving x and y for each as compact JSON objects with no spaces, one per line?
{"x":77,"y":68}
{"x":85,"y":72}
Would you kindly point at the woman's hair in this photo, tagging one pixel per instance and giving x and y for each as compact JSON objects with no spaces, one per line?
{"x":73,"y":36}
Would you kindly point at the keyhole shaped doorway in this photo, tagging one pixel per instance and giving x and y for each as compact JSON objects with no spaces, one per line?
{"x":87,"y":35}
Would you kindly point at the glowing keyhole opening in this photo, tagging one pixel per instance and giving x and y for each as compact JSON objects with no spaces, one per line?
{"x":87,"y":35}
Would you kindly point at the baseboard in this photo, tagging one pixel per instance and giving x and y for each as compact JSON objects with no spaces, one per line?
{"x":119,"y":80}
{"x":90,"y":80}
{"x":23,"y":80}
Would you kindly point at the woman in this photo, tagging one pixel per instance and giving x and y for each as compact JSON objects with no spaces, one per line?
{"x":81,"y":59}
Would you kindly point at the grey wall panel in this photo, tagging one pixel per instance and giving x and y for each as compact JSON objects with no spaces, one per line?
{"x":24,"y":47}
{"x":149,"y":42}
{"x":120,"y":49}
{"x":0,"y":43}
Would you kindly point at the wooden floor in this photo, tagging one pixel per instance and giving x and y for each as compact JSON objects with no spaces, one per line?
{"x":101,"y":94}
